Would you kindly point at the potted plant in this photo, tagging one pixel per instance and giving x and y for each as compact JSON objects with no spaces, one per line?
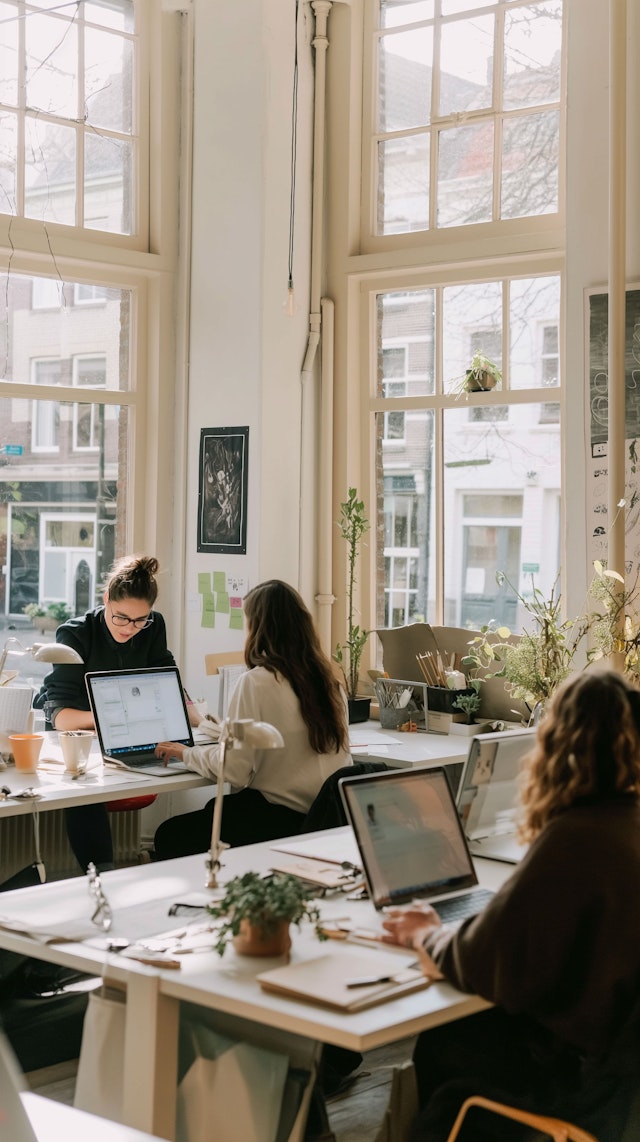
{"x":534,"y":664}
{"x":469,"y":702}
{"x":482,"y":375}
{"x":47,"y":616}
{"x":256,"y":912}
{"x":353,"y":524}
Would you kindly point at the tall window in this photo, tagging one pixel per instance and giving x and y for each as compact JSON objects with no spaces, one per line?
{"x":466,"y":115}
{"x":68,"y":149}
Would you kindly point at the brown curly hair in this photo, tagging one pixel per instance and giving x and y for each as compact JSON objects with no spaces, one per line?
{"x":282,"y":638}
{"x":587,"y":747}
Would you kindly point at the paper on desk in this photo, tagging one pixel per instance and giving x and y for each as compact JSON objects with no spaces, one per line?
{"x":369,"y":737}
{"x":328,"y":848}
{"x":67,"y":931}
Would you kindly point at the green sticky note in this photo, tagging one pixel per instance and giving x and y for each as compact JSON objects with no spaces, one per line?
{"x":236,"y":617}
{"x":204,"y":582}
{"x":208,"y":609}
{"x":220,"y":581}
{"x":222,"y":602}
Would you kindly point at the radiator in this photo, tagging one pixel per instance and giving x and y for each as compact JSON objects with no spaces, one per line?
{"x":17,"y":846}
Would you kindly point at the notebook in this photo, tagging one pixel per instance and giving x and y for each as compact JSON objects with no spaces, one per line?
{"x":488,"y":793}
{"x":133,"y":711}
{"x":337,"y":980}
{"x":411,"y":841}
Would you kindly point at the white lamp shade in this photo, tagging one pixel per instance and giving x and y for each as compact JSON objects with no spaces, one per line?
{"x":258,"y":735}
{"x":54,"y":652}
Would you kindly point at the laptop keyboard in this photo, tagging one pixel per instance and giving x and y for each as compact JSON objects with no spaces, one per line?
{"x":459,"y":907}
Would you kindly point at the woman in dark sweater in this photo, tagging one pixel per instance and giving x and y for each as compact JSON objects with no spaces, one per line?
{"x":122,"y":634}
{"x":557,"y":950}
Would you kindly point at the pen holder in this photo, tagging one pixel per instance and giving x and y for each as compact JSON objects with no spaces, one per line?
{"x":441,"y":700}
{"x":401,"y":703}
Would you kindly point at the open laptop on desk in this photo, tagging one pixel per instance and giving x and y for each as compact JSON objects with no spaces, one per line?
{"x":411,"y":841}
{"x":488,"y":793}
{"x":133,"y":710}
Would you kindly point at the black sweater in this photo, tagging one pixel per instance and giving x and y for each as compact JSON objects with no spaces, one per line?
{"x":64,"y":687}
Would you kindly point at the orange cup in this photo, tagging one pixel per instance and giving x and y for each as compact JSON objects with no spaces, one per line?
{"x":26,"y":751}
{"x":25,"y":748}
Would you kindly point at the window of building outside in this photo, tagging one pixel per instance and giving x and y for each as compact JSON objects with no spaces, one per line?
{"x":71,"y":124}
{"x":466,"y":123}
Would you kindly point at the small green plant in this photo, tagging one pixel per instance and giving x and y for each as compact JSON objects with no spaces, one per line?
{"x":353,"y":524}
{"x":469,"y":704}
{"x":615,"y":629}
{"x":59,"y":611}
{"x":541,"y":658}
{"x":264,"y":901}
{"x":482,"y":375}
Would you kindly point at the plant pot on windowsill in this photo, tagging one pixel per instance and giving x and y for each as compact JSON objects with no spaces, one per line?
{"x":359,"y":710}
{"x":479,"y":381}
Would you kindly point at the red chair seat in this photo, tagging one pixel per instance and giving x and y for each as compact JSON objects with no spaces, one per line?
{"x":131,"y":803}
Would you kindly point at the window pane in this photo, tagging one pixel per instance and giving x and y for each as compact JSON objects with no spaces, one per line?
{"x":530,"y":165}
{"x":394,"y":12}
{"x":465,"y":175}
{"x":405,"y":79}
{"x":532,"y":53}
{"x":87,"y":332}
{"x":108,"y":80}
{"x":407,"y":563}
{"x":451,"y":7}
{"x":406,"y":325}
{"x":51,"y":65}
{"x":514,"y":477}
{"x":466,"y":65}
{"x":534,"y":322}
{"x":8,"y":55}
{"x":108,"y":202}
{"x":471,"y":321}
{"x":403,"y":184}
{"x":8,"y":152}
{"x":50,"y":190}
{"x":60,"y":513}
{"x":117,"y":14}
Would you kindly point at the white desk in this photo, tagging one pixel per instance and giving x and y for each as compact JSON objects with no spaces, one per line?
{"x":140,"y":898}
{"x":371,"y":743}
{"x":101,"y":782}
{"x":53,"y":1121}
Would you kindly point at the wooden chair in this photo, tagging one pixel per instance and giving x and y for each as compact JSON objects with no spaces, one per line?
{"x":555,"y":1128}
{"x":213,"y":662}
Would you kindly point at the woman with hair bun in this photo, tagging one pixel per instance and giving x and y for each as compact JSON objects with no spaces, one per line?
{"x":557,"y":949}
{"x":125,"y":632}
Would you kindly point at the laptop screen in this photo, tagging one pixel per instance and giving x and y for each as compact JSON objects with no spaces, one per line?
{"x":408,"y":833}
{"x":136,"y":709}
{"x":488,"y":790}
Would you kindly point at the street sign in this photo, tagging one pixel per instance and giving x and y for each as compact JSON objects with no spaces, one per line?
{"x":12,"y":449}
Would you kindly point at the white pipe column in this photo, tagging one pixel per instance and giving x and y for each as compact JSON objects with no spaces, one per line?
{"x":617,"y":290}
{"x":309,"y":511}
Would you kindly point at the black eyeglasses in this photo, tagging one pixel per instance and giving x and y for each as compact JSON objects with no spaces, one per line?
{"x":102,"y":916}
{"x":125,"y":621}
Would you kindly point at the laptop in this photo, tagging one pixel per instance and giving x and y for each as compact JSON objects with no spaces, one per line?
{"x":488,"y":793}
{"x":133,"y":710}
{"x":411,"y":841}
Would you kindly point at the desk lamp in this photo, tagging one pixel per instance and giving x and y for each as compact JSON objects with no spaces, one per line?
{"x":40,"y":651}
{"x":257,"y":735}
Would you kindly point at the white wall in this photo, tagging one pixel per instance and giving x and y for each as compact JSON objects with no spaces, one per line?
{"x":245,"y":351}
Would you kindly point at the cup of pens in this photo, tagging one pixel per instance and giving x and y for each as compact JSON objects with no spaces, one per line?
{"x":401,"y":704}
{"x":75,"y":746}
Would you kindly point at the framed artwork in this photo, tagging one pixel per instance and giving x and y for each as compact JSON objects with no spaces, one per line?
{"x":222,"y":495}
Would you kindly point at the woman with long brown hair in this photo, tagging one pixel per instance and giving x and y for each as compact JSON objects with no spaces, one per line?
{"x":290,"y":683}
{"x":557,"y":949}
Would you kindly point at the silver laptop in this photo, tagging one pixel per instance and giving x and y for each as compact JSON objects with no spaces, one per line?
{"x":133,"y":711}
{"x":411,"y":841}
{"x":488,"y":793}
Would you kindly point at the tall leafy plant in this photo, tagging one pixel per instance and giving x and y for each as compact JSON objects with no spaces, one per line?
{"x":353,"y":524}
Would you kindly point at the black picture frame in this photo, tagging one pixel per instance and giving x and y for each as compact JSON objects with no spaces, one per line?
{"x":223,"y":490}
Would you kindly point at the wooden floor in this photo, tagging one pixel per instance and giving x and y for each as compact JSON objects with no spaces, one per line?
{"x":353,"y":1117}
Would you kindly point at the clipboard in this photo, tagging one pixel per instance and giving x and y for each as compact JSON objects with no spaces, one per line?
{"x":323,"y":980}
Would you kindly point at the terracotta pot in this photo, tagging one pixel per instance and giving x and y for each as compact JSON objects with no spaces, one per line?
{"x":253,"y":941}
